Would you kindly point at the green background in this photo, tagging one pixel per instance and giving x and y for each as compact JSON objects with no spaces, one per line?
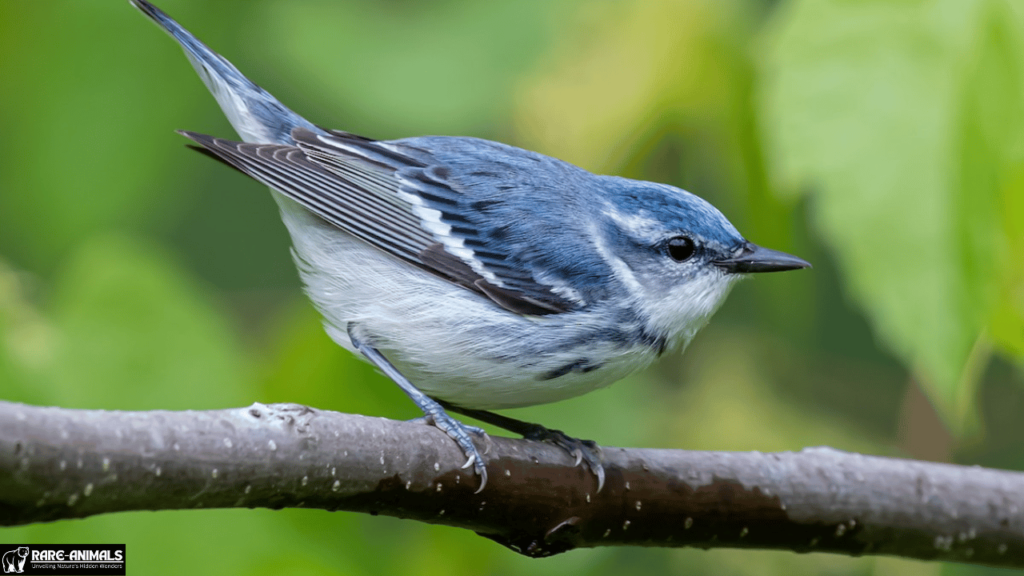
{"x":881,"y":140}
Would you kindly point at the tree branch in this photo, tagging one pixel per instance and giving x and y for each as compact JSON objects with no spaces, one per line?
{"x":59,"y":463}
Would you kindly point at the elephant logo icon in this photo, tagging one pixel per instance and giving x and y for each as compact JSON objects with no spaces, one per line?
{"x":14,"y":560}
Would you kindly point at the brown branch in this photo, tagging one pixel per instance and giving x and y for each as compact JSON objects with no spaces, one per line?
{"x":59,"y":463}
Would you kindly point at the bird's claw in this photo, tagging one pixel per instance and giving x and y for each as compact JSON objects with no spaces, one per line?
{"x":582,"y":450}
{"x":460,"y":433}
{"x":579,"y":456}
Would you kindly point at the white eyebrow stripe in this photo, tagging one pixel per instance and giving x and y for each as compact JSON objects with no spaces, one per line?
{"x":635,"y":225}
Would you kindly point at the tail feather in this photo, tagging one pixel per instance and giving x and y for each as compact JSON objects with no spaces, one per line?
{"x":253,"y":112}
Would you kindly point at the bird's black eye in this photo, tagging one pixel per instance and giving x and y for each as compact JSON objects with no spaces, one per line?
{"x":681,"y":248}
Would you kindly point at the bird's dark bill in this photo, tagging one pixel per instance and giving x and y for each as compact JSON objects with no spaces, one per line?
{"x":757,"y":259}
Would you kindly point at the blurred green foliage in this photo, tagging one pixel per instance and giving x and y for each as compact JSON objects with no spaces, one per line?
{"x":905,"y":123}
{"x":882,"y":140}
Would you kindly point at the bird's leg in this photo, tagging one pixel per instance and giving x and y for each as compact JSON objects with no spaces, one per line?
{"x":433,"y":412}
{"x":583,"y":450}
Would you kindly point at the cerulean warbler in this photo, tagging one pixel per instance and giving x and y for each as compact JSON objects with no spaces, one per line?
{"x":474,"y":274}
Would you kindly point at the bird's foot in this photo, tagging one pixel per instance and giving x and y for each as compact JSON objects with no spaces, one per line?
{"x":582,"y":450}
{"x":461,"y":434}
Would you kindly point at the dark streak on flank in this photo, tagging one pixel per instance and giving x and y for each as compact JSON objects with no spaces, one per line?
{"x":581,"y":366}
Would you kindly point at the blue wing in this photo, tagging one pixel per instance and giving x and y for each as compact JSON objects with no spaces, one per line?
{"x":401,"y":199}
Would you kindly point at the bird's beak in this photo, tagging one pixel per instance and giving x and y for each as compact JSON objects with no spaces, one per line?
{"x":754,"y":258}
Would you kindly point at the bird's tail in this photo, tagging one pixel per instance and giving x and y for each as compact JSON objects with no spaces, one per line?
{"x":253,"y":112}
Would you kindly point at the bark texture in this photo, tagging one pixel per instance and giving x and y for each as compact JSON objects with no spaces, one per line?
{"x":60,"y":463}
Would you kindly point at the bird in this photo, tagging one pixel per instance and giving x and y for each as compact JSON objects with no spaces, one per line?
{"x":476,"y":275}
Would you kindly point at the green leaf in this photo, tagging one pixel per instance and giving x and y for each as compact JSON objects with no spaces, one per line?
{"x":901,"y":121}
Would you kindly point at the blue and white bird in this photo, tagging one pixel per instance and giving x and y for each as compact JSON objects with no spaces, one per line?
{"x":477,"y":275}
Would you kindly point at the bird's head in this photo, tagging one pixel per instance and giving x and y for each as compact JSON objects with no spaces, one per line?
{"x":675,"y":255}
